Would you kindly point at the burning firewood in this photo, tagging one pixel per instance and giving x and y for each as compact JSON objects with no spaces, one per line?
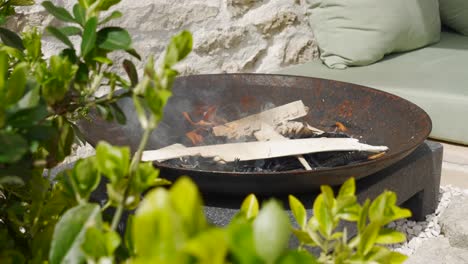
{"x":273,"y":117}
{"x":340,"y":127}
{"x":261,"y":125}
{"x":294,"y":129}
{"x":262,"y":149}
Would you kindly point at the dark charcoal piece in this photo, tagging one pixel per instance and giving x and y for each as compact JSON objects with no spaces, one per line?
{"x":345,"y":158}
{"x":332,"y":135}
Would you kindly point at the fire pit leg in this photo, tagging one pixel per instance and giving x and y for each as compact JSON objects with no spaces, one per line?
{"x":415,"y":180}
{"x":425,"y":201}
{"x":421,"y":204}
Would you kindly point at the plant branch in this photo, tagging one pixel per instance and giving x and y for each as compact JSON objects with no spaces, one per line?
{"x":133,"y":169}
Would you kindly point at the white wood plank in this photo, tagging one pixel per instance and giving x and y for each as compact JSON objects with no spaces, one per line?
{"x":262,"y":149}
{"x":248,"y":125}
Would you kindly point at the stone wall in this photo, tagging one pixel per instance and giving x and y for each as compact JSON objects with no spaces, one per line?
{"x":229,"y":35}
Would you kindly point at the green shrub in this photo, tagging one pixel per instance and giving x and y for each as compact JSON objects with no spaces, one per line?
{"x":53,"y":221}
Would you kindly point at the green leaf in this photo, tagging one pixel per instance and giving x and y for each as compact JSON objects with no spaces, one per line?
{"x":129,"y":237}
{"x":2,"y":118}
{"x":98,"y":244}
{"x":144,"y":178}
{"x":65,"y":140}
{"x":382,"y":255}
{"x":131,"y":71}
{"x":22,"y":2}
{"x":323,"y":216}
{"x":106,"y":4}
{"x":118,"y":113}
{"x":348,"y":209}
{"x":140,"y":110}
{"x":70,"y":55}
{"x":241,"y":242}
{"x":86,"y":3}
{"x":294,"y":257}
{"x":70,"y":31}
{"x":134,"y":53}
{"x":28,"y":117}
{"x":60,"y":74}
{"x":103,"y":60}
{"x":328,"y":196}
{"x":303,"y":237}
{"x":11,"y":39}
{"x":394,"y":258}
{"x":4,"y":68}
{"x":389,"y":236}
{"x":85,"y":177}
{"x":363,"y":216}
{"x":313,"y":231}
{"x":250,"y":206}
{"x":157,"y":99}
{"x":41,"y":133}
{"x":13,"y":147}
{"x":348,"y":188}
{"x":114,"y":15}
{"x":114,"y":38}
{"x":398,"y":213}
{"x":271,"y":237}
{"x":179,"y":47}
{"x":70,"y":231}
{"x":80,"y":14}
{"x":12,"y":256}
{"x":210,"y":246}
{"x":16,"y":84}
{"x":82,"y":74}
{"x":298,"y":211}
{"x":31,"y":98}
{"x":368,"y":238}
{"x":188,"y":204}
{"x":32,"y":44}
{"x":163,"y":231}
{"x":89,"y":36}
{"x":58,"y":12}
{"x":112,"y":161}
{"x":378,"y":207}
{"x":169,"y":76}
{"x":60,"y":36}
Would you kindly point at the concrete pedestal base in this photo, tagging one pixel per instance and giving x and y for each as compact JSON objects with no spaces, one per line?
{"x":415,"y":180}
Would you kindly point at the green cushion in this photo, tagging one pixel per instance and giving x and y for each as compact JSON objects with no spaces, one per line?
{"x":361,"y":32}
{"x":435,"y":78}
{"x":454,"y":13}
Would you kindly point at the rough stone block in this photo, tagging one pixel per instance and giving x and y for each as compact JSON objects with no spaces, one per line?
{"x":454,"y":223}
{"x":438,"y":250}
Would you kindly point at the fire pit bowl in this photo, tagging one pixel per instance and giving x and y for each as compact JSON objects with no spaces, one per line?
{"x":372,"y":116}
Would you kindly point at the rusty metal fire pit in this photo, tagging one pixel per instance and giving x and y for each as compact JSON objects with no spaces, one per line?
{"x":372,"y":116}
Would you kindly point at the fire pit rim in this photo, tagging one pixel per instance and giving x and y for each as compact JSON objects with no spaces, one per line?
{"x":386,"y":157}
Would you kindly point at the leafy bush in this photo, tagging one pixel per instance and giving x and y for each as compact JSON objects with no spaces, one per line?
{"x":52,"y":220}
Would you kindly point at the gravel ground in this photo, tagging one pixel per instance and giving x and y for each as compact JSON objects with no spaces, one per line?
{"x":418,"y":232}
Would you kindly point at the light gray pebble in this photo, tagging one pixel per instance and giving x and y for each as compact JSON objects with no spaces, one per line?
{"x":417,"y":229}
{"x":415,"y":243}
